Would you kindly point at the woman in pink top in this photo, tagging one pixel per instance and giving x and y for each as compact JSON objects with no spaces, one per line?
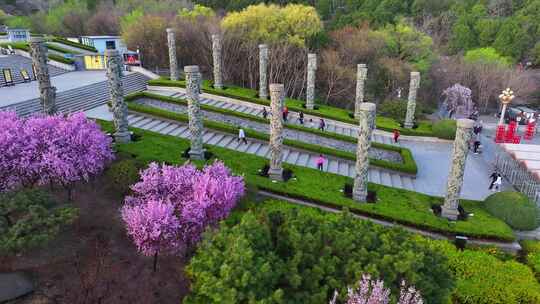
{"x":320,"y":162}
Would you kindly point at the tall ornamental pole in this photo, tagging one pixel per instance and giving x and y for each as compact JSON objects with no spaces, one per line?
{"x":263,"y":71}
{"x":367,"y":120}
{"x":361,"y":76}
{"x":310,"y":91}
{"x":116,"y":93}
{"x":277,"y":95}
{"x":506,"y":98}
{"x":47,"y":93}
{"x":193,"y":86}
{"x":411,"y":103}
{"x":216,"y":55}
{"x":457,"y":169}
{"x":173,"y":64}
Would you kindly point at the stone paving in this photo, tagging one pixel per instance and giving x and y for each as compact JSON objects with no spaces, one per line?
{"x":265,"y":128}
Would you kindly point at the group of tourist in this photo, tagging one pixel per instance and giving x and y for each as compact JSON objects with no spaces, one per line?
{"x":285,"y":116}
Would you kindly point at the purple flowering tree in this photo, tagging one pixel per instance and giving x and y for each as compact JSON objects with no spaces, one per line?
{"x":200,"y":198}
{"x":371,"y":291}
{"x":50,"y":149}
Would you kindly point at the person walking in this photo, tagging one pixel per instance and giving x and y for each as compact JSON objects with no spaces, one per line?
{"x":498,"y":183}
{"x":396,"y":135}
{"x":311,"y":123}
{"x":285,"y":113}
{"x":264,"y":113}
{"x":322,"y":124}
{"x":476,"y":145}
{"x":242,"y":136}
{"x":493,"y":177}
{"x":320,"y":162}
{"x":301,"y":117}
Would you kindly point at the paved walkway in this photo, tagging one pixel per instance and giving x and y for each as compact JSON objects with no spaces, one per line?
{"x":26,"y":91}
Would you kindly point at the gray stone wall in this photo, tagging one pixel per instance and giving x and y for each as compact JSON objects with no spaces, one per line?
{"x":193,"y":87}
{"x":366,"y":121}
{"x":277,"y":95}
{"x":457,"y":168}
{"x":173,"y":64}
{"x":310,"y":90}
{"x":216,"y":55}
{"x":411,"y":103}
{"x":263,"y":71}
{"x":116,"y":93}
{"x":47,"y":93}
{"x":361,"y":76}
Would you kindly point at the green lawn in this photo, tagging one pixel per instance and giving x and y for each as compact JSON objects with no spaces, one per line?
{"x":407,"y":166}
{"x":25,"y":47}
{"x":406,"y":207}
{"x":245,"y":94}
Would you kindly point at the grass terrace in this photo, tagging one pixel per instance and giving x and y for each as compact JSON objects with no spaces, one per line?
{"x":325,"y":189}
{"x":25,"y":47}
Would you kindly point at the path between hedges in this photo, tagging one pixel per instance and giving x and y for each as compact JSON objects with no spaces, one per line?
{"x":261,"y":148}
{"x":512,"y":247}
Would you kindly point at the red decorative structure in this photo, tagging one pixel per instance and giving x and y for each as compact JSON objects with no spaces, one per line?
{"x":510,"y":132}
{"x":516,"y":139}
{"x":529,"y":132}
{"x":499,"y":136}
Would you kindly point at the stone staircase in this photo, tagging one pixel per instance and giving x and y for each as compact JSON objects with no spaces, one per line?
{"x":82,"y":98}
{"x":16,"y":63}
{"x":255,"y":109}
{"x":261,"y":148}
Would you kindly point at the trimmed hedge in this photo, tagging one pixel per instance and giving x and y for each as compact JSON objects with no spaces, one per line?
{"x":445,"y":129}
{"x":408,"y":165}
{"x":531,"y":252}
{"x":513,"y":208}
{"x":24,"y":46}
{"x":61,"y":49}
{"x":383,"y":123}
{"x":75,"y":44}
{"x":61,"y":59}
{"x":325,"y":189}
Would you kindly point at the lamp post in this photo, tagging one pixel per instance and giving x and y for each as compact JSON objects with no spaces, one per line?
{"x":506,"y":98}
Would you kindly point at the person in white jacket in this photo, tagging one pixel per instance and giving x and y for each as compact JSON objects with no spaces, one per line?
{"x":242,"y":135}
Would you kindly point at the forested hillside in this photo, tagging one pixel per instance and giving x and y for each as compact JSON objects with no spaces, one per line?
{"x":483,"y":44}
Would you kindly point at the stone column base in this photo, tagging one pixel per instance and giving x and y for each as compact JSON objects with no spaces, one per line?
{"x":360,"y":197}
{"x":122,"y":137}
{"x":451,"y":214}
{"x":408,"y":125}
{"x":276,"y":174}
{"x":196,"y":155}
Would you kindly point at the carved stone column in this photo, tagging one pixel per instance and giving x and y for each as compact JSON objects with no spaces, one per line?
{"x":173,"y":64}
{"x":216,"y":54}
{"x":361,"y":76}
{"x":263,"y":71}
{"x":116,"y":93}
{"x":277,"y":95}
{"x":47,"y":93}
{"x":411,"y":103}
{"x":367,"y":120}
{"x":310,"y":90}
{"x":193,"y":86}
{"x":457,"y":168}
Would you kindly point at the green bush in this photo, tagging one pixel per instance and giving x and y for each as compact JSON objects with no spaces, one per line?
{"x":121,"y":175}
{"x":397,"y":110}
{"x":513,"y":208}
{"x":283,"y":254}
{"x":30,"y":218}
{"x":61,"y":49}
{"x":484,"y":279}
{"x":531,"y":250}
{"x":74,"y":44}
{"x":61,"y":59}
{"x":445,"y":129}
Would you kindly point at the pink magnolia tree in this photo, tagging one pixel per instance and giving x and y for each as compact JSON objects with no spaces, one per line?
{"x":50,"y":149}
{"x":199,"y":198}
{"x":371,"y":291}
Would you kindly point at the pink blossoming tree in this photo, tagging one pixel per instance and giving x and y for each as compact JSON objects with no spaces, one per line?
{"x":371,"y":291}
{"x":50,"y":149}
{"x":199,"y":199}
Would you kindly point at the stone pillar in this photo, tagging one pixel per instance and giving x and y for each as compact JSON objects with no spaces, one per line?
{"x":361,"y":76}
{"x":367,"y":120}
{"x":411,"y":103}
{"x":263,"y":71}
{"x":193,"y":86}
{"x":116,"y":95}
{"x":310,"y":91}
{"x":277,"y":96}
{"x":173,"y":64}
{"x":47,"y":93}
{"x":216,"y":54}
{"x":457,"y":168}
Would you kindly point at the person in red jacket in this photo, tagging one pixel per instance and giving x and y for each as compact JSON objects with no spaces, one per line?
{"x":396,"y":135}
